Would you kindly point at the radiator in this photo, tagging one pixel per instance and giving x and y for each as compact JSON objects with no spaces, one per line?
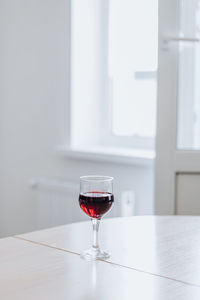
{"x":56,"y":202}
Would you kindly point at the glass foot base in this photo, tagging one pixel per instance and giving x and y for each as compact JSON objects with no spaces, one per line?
{"x":94,"y":254}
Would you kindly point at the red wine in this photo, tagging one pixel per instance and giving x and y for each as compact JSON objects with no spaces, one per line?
{"x":96,"y":204}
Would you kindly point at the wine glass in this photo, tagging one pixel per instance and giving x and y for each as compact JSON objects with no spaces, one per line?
{"x":95,"y":199}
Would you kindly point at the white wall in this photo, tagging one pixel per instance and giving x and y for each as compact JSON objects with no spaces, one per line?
{"x":34,"y":94}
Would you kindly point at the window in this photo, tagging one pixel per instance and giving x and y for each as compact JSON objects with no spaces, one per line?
{"x":113,"y":73}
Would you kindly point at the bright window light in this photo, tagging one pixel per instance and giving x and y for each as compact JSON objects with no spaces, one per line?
{"x":113,"y":73}
{"x":132,"y":61}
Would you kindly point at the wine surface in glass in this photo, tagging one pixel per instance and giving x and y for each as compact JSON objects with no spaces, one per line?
{"x":95,"y":204}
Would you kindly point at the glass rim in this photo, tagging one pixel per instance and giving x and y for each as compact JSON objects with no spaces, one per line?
{"x":96,"y":178}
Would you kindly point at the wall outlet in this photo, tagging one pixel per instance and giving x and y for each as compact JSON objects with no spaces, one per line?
{"x":127,"y":203}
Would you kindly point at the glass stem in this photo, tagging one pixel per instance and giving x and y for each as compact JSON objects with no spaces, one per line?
{"x":95,"y":226}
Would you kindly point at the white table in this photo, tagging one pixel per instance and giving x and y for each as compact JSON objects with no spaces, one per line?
{"x":151,"y":258}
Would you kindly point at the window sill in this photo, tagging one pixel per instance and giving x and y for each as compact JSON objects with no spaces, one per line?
{"x":112,"y":155}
